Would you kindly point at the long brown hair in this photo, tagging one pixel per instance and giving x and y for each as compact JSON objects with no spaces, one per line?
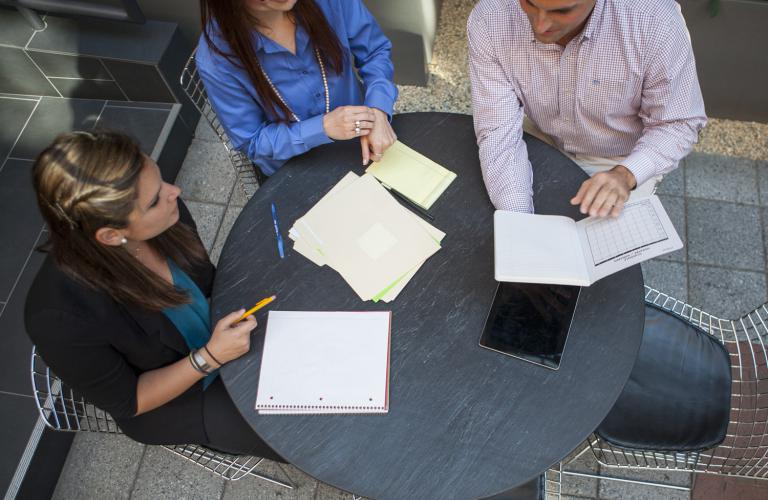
{"x":236,"y":29}
{"x":88,"y":180}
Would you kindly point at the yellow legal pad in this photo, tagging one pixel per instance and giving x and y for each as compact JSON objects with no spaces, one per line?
{"x":412,"y":174}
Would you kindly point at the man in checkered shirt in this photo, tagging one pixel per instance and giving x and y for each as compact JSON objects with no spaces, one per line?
{"x":610,"y":83}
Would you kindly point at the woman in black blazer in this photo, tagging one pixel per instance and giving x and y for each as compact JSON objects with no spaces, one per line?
{"x":118,"y":309}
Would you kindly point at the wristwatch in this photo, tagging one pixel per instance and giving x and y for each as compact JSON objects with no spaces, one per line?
{"x":201,"y":363}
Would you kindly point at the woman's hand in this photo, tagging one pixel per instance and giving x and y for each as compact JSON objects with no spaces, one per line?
{"x":381,"y":137}
{"x":230,"y":341}
{"x":346,"y":122}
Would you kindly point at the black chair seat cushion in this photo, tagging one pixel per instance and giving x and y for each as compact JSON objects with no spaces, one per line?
{"x":678,"y":397}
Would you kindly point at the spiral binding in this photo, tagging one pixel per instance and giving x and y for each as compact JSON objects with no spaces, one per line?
{"x":317,"y":407}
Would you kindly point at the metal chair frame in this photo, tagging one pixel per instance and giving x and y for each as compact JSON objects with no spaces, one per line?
{"x":249,"y":176}
{"x":744,"y":451}
{"x":63,"y":410}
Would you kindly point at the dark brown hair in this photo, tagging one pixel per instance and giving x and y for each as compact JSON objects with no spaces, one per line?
{"x":236,"y":28}
{"x":88,"y":180}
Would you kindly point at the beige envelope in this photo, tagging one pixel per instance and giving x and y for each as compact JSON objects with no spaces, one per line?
{"x":365,"y":235}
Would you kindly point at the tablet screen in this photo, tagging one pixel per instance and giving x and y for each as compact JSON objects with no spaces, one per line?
{"x":530,"y":321}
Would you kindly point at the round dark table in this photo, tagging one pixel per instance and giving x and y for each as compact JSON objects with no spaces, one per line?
{"x":463,"y":421}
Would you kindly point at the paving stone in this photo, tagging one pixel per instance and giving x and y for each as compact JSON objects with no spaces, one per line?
{"x":204,"y":132}
{"x":715,"y":486}
{"x":725,"y":293}
{"x":723,"y":178}
{"x":765,"y":228}
{"x":206,"y":174}
{"x":724,"y":234}
{"x":673,"y":183}
{"x":239,"y":198}
{"x":208,"y":218}
{"x":675,"y":207}
{"x":762,"y":175}
{"x":230,"y":216}
{"x":667,"y":277}
{"x":610,"y":490}
{"x":100,"y":466}
{"x":328,"y":492}
{"x":251,"y":488}
{"x":165,"y":475}
{"x":584,"y":487}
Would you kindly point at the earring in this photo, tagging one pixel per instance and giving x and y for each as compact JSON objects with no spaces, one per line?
{"x":124,"y":240}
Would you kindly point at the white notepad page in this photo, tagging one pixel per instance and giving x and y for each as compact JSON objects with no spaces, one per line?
{"x":530,"y":248}
{"x":325,"y":362}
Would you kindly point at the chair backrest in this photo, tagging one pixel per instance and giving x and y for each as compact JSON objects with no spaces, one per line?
{"x":744,"y":452}
{"x":248,"y":174}
{"x":60,"y":407}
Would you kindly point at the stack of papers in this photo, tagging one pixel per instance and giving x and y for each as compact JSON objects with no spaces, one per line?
{"x":358,"y":229}
{"x":412,"y":174}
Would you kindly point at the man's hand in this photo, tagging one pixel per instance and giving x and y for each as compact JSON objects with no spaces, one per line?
{"x":605,"y":192}
{"x":381,"y":137}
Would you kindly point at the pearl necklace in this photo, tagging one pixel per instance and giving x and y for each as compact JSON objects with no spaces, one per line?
{"x":325,"y":87}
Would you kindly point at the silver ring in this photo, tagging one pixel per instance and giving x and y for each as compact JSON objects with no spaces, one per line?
{"x":357,"y":124}
{"x":357,"y":130}
{"x":377,"y":154}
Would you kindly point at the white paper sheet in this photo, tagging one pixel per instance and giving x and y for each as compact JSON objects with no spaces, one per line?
{"x":325,"y":362}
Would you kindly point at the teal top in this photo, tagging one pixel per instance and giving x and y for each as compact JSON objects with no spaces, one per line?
{"x":192,"y":320}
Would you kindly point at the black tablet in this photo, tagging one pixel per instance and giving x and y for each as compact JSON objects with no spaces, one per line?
{"x":530,"y":321}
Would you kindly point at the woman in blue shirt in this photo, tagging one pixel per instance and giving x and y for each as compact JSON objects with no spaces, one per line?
{"x":282,"y":76}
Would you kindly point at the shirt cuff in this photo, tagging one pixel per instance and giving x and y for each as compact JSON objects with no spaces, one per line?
{"x":380,"y":100}
{"x":312,"y":133}
{"x":641,"y":167}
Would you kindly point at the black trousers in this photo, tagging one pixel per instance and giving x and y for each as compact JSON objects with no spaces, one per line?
{"x":208,"y":417}
{"x":226,"y":428}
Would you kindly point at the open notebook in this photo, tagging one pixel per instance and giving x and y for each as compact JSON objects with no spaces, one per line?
{"x":556,"y":250}
{"x":325,"y":362}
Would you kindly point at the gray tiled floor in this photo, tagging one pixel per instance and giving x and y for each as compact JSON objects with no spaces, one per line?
{"x":714,"y":202}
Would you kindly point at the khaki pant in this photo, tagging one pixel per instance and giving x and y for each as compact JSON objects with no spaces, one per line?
{"x":593,"y":164}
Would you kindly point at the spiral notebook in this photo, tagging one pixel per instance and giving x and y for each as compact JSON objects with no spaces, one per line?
{"x":325,"y":362}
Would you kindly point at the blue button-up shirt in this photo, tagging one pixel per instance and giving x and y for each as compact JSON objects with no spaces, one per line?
{"x":298,"y":80}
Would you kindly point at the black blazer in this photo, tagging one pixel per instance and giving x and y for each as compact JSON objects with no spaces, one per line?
{"x":100,"y":348}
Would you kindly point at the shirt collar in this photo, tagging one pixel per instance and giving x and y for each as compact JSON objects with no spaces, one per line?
{"x":589,"y":28}
{"x":594,"y":20}
{"x":269,"y":46}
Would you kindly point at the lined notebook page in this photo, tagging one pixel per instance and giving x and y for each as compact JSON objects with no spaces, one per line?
{"x":325,"y":362}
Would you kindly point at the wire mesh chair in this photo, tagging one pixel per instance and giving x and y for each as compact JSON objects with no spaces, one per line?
{"x":249,"y":176}
{"x":62,"y":409}
{"x":553,"y":480}
{"x":744,"y":451}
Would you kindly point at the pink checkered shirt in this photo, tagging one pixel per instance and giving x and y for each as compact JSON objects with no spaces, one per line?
{"x":626,"y":86}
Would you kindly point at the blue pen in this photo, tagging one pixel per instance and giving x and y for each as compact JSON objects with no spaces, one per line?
{"x":277,"y":232}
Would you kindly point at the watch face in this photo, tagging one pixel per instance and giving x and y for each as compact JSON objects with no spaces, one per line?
{"x":200,"y":360}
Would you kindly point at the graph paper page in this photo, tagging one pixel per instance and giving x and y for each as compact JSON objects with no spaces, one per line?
{"x":642,"y":231}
